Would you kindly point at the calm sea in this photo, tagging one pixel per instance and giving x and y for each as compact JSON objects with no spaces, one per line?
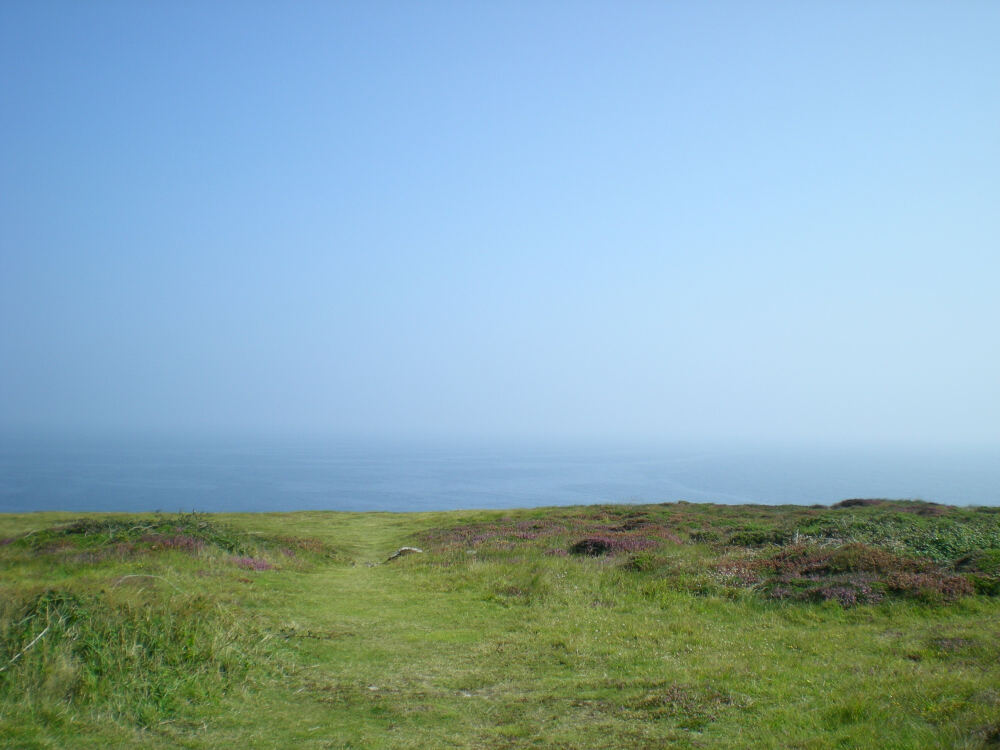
{"x":396,"y":476}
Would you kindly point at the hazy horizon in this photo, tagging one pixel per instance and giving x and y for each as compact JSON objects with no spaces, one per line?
{"x":115,"y":439}
{"x":688,"y":222}
{"x":247,"y":475}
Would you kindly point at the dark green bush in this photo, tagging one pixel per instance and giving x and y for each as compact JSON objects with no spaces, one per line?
{"x":980,"y":561}
{"x":758,"y":537}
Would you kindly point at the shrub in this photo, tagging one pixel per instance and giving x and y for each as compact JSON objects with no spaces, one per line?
{"x":758,"y":537}
{"x":847,"y":594}
{"x":595,"y":546}
{"x":985,"y":585}
{"x":930,"y":587}
{"x":643,"y":562}
{"x":185,"y":531}
{"x":861,"y":558}
{"x":252,"y":563}
{"x":980,"y":561}
{"x":851,"y":574}
{"x":857,"y":502}
{"x":94,"y":540}
{"x":705,"y":536}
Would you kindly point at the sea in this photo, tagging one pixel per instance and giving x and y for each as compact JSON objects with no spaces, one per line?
{"x":230,"y":475}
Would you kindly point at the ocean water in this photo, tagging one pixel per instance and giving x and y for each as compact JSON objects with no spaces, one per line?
{"x":149,"y":475}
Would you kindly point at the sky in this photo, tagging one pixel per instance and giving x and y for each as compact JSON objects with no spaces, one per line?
{"x":774,"y":220}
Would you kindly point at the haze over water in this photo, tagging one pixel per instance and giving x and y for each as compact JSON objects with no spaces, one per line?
{"x":403,"y":476}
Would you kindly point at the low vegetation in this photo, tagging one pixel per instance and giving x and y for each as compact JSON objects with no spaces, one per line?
{"x":870,"y":623}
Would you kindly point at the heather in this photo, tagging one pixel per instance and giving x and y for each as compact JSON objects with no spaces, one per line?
{"x":873,"y":622}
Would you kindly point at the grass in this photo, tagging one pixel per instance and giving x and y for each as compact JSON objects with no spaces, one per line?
{"x":875,"y":623}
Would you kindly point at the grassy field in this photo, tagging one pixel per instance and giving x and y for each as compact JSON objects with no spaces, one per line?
{"x":870,"y":624}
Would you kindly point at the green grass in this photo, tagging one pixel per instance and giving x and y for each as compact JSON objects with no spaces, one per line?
{"x":874,"y":624}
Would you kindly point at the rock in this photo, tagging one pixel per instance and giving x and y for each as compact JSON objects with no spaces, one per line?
{"x":403,"y":551}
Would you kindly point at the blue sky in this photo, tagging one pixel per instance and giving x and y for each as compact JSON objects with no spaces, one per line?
{"x":710,"y":220}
